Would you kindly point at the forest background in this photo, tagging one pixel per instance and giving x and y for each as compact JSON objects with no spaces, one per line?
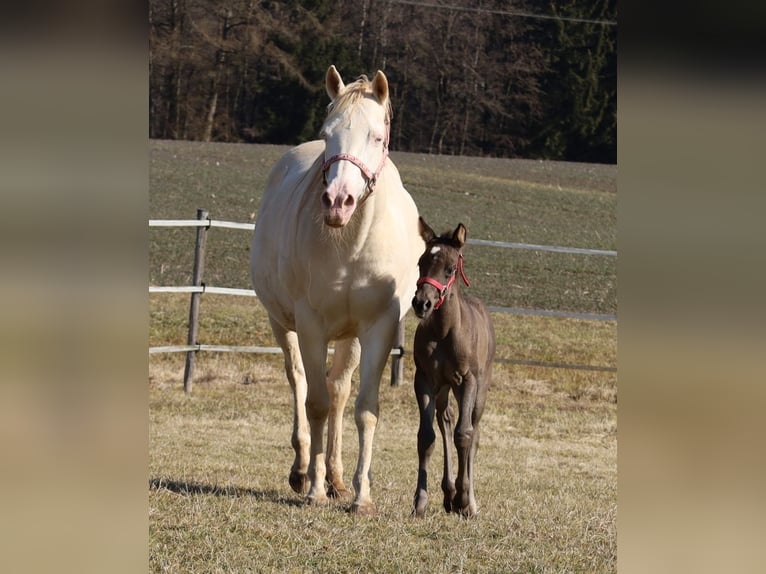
{"x":492,"y":78}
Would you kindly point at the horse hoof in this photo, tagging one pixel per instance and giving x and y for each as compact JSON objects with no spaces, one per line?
{"x":299,"y":482}
{"x":316,"y":501}
{"x":449,"y":503}
{"x":419,"y":506}
{"x":339,"y":492}
{"x":466,"y":512}
{"x":366,"y":509}
{"x":418,"y":512}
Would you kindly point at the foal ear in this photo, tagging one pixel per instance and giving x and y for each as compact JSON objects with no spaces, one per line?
{"x":459,"y":235}
{"x":380,"y":87}
{"x":425,"y":231}
{"x":333,"y":83}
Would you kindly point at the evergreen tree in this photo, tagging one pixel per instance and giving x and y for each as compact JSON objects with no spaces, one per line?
{"x":580,"y":86}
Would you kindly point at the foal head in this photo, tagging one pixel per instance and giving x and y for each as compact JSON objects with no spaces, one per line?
{"x":356,"y":143}
{"x":439,"y":265}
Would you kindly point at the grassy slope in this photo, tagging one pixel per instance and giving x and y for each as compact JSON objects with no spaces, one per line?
{"x":506,"y":200}
{"x":546,"y":470}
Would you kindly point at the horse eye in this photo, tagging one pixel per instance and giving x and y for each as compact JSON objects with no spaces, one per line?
{"x":451,"y":271}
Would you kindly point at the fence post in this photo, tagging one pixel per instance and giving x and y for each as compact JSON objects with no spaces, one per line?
{"x":199,"y":267}
{"x":397,"y":361}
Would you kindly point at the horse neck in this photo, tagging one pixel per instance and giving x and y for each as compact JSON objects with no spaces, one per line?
{"x":448,"y":317}
{"x":355,"y":235}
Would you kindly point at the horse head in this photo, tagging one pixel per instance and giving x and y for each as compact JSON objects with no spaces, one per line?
{"x":439,"y":265}
{"x":356,"y":135}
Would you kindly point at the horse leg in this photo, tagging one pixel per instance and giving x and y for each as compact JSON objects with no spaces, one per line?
{"x":288,"y":341}
{"x":472,"y":505}
{"x":339,"y":387}
{"x":376,"y":344}
{"x":313,"y":345}
{"x":426,"y":440}
{"x":481,"y":397}
{"x":445,"y":418}
{"x":464,"y":440}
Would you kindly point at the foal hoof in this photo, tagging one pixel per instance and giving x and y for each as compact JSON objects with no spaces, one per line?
{"x":466,"y":512}
{"x":419,"y":506}
{"x":299,"y":482}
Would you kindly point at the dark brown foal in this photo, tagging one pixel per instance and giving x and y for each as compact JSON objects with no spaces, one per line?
{"x":454,"y":348}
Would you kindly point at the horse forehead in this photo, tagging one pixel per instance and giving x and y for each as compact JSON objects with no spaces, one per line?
{"x":363,"y":112}
{"x":438,"y":254}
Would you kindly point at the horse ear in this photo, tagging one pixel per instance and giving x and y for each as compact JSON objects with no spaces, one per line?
{"x":380,"y":87}
{"x":333,"y":83}
{"x":459,"y":235}
{"x":425,"y":231}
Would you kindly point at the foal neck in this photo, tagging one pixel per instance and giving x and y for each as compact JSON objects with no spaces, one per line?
{"x":448,"y":316}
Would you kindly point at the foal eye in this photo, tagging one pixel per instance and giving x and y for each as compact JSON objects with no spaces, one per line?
{"x":450,"y":271}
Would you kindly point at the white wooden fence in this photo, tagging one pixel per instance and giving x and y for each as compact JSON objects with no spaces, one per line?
{"x":203,"y":223}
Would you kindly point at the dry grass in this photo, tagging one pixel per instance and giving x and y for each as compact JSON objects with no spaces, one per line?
{"x":219,"y":459}
{"x":546,"y":476}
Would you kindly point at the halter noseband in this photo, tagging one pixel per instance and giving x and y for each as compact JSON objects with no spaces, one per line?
{"x":371,"y":177}
{"x":442,"y":289}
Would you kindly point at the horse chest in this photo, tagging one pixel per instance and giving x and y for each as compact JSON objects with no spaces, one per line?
{"x":441,"y":361}
{"x":347,"y":296}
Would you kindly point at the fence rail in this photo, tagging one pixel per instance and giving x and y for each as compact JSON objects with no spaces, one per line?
{"x":203,"y":223}
{"x":251,"y":226}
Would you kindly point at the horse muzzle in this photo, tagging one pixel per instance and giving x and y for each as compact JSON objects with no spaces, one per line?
{"x":338,"y":208}
{"x":422,"y":305}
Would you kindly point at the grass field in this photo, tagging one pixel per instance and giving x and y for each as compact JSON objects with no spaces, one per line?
{"x":546,"y":469}
{"x":545,"y":203}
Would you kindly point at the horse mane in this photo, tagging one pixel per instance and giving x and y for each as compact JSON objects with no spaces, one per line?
{"x":354,"y":91}
{"x":445,"y":239}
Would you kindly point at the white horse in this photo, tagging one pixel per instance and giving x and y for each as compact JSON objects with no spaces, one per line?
{"x":334,"y":258}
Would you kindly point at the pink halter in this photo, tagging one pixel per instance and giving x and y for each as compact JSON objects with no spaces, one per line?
{"x":442,"y":289}
{"x":371,"y":177}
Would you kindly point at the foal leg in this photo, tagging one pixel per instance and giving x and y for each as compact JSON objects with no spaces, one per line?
{"x":472,"y":505}
{"x":426,"y":441}
{"x":446,"y":417}
{"x":464,"y":443}
{"x":339,"y":387}
{"x":481,"y":397}
{"x":288,"y":341}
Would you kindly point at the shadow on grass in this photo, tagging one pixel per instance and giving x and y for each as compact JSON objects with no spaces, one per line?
{"x":187,"y":488}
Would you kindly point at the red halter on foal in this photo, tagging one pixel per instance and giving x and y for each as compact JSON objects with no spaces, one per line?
{"x":444,"y":288}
